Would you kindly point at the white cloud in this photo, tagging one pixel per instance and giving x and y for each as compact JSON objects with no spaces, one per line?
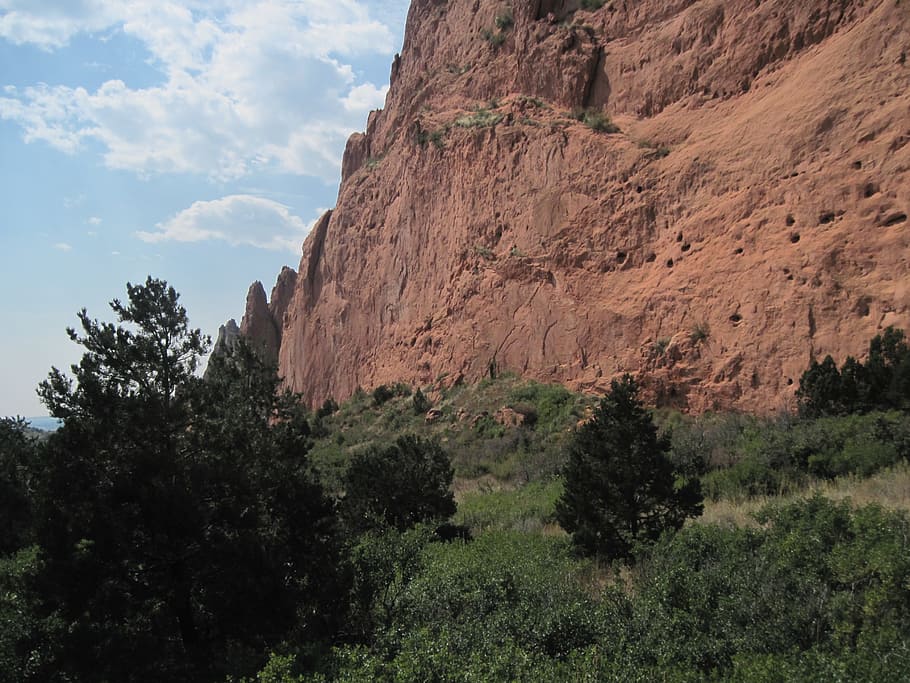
{"x":245,"y":84}
{"x":50,"y":24}
{"x":63,"y":246}
{"x":366,"y":96}
{"x":94,"y":220}
{"x":238,"y":220}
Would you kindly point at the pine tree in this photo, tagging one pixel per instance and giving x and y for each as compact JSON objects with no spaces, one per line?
{"x":620,"y":486}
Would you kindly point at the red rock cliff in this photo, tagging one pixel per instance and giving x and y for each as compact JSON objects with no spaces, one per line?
{"x":749,"y":215}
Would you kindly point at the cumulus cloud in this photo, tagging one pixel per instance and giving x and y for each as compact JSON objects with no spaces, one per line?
{"x":245,"y":84}
{"x":238,"y":220}
{"x":63,"y":246}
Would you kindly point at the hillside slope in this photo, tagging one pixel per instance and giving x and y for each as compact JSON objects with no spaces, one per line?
{"x":749,"y":215}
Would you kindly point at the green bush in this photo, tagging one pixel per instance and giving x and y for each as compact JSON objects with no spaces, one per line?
{"x":820,"y":579}
{"x":480,"y":118}
{"x":528,"y":508}
{"x":620,"y":487}
{"x":595,"y":120}
{"x":398,"y":486}
{"x":881,"y":383}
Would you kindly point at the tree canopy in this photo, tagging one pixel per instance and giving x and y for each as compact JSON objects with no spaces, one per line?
{"x":180,"y":531}
{"x":620,"y":486}
{"x":398,"y":486}
{"x":881,"y":383}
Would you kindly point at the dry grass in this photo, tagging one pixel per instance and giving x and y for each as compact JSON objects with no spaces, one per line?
{"x":889,"y":488}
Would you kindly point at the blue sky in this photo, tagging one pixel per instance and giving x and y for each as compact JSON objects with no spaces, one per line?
{"x":192,"y":140}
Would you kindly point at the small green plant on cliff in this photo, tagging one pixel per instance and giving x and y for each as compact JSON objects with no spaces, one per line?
{"x":592,"y":4}
{"x":700,"y":332}
{"x":485,"y":252}
{"x":494,"y":38}
{"x":503,"y":22}
{"x":595,"y":120}
{"x":482,"y":117}
{"x":660,"y":346}
{"x":434,"y":136}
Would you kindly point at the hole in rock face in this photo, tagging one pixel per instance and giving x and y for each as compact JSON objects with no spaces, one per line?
{"x":870,"y":190}
{"x":686,"y":247}
{"x":894,"y":219}
{"x":826,"y":217}
{"x":738,"y":251}
{"x":790,"y":219}
{"x":794,"y":237}
{"x":639,"y":189}
{"x":621,"y":256}
{"x":651,"y":258}
{"x":669,"y":263}
{"x":736,"y":318}
{"x":857,"y":165}
{"x":789,"y":381}
{"x":679,"y":237}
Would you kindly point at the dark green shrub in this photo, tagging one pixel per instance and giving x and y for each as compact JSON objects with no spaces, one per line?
{"x":328,"y":407}
{"x":398,"y":486}
{"x":819,"y":581}
{"x":700,"y":332}
{"x":882,"y":383}
{"x":420,"y":403}
{"x":382,"y":393}
{"x":504,"y":21}
{"x":620,"y":487}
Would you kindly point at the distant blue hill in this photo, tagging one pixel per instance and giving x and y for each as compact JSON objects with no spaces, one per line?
{"x":46,"y":424}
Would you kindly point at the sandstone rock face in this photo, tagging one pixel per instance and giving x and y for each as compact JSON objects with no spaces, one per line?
{"x":228,"y":334}
{"x":750,"y":214}
{"x":263,"y":320}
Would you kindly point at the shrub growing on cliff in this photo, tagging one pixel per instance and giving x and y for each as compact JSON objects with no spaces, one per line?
{"x":595,"y":120}
{"x":620,"y":486}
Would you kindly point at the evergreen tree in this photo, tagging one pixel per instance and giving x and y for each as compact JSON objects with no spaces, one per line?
{"x":881,"y":383}
{"x":821,"y":390}
{"x":181,"y":531}
{"x":620,"y":487}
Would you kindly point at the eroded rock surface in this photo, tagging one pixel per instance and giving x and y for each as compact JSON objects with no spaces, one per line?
{"x":749,"y":215}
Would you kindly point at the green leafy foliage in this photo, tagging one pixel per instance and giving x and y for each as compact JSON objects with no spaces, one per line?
{"x":398,"y":486}
{"x":769,"y":458}
{"x":530,"y":508}
{"x":595,"y":120}
{"x":881,"y":383}
{"x":178,"y":529}
{"x":620,"y":486}
{"x":17,"y":451}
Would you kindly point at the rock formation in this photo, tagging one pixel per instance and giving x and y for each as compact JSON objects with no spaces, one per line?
{"x":263,"y":320}
{"x":749,"y":214}
{"x":228,"y":334}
